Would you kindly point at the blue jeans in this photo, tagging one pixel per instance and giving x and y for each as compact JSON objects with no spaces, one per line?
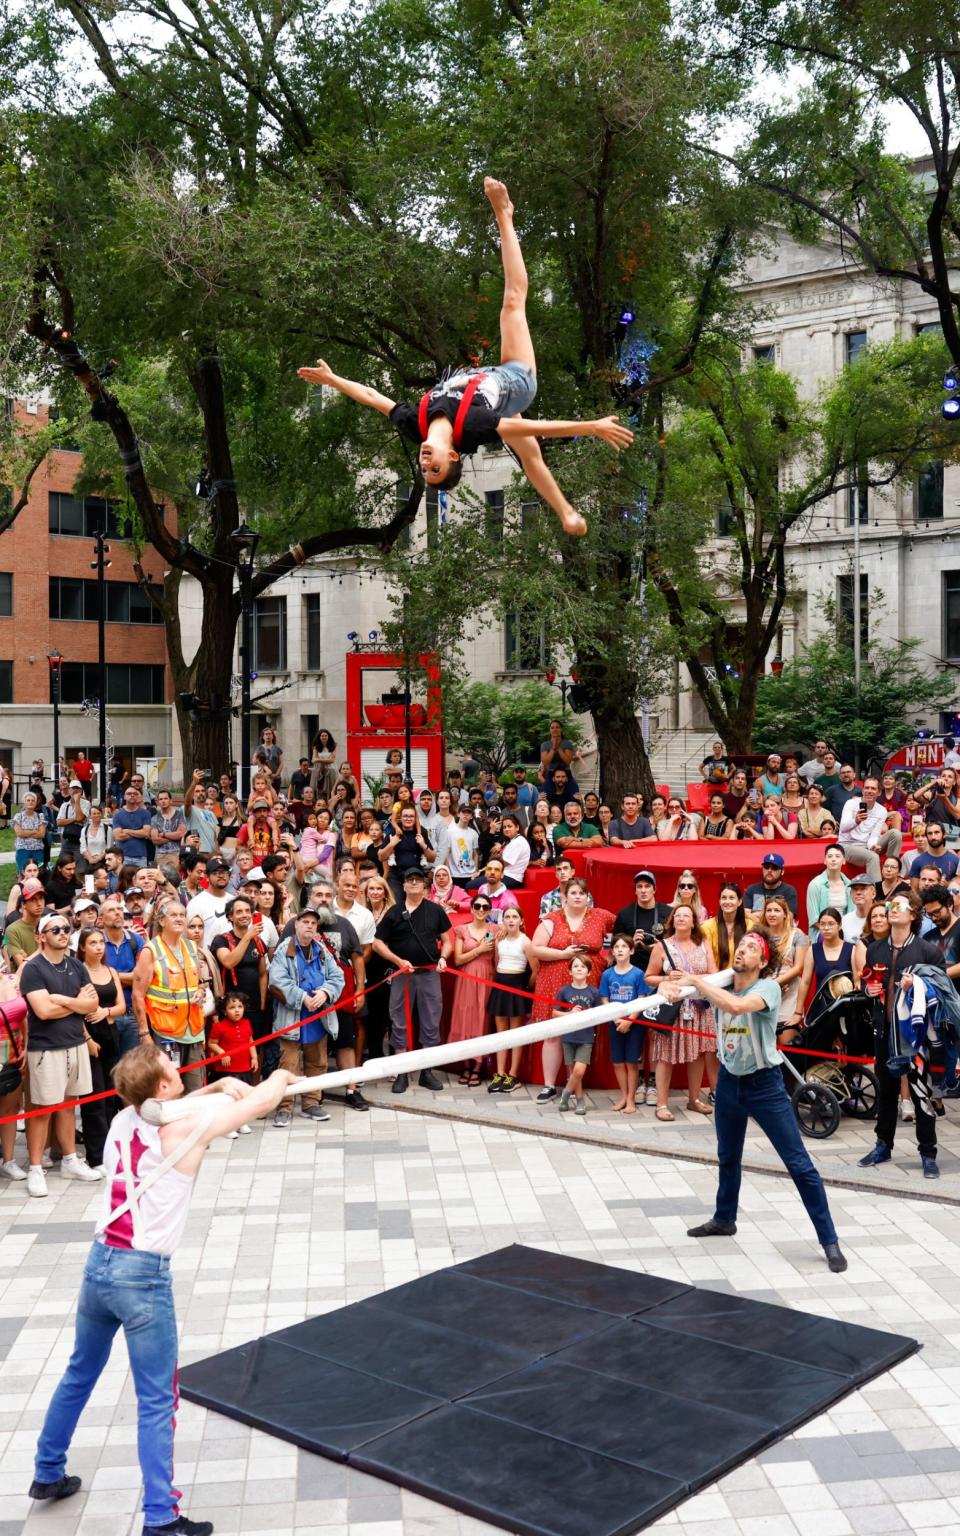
{"x":24,"y":855}
{"x":132,"y":1291}
{"x":761,"y":1096}
{"x":128,"y":1033}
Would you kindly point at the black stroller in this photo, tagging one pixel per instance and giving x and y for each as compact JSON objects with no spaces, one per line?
{"x":839,"y":1022}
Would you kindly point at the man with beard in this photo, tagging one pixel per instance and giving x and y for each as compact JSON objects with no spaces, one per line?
{"x":644,"y":918}
{"x":937,"y":856}
{"x":337,"y":936}
{"x":242,"y":957}
{"x":211,"y":904}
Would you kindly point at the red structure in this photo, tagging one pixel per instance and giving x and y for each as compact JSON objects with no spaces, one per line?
{"x":375,"y":725}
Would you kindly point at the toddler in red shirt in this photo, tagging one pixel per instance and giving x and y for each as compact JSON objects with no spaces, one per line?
{"x":231,"y":1042}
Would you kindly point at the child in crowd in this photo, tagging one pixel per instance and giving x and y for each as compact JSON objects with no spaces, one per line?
{"x":624,"y":982}
{"x":578,"y":995}
{"x":231,"y":1042}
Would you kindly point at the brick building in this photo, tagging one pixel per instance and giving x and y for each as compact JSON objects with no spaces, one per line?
{"x":48,"y":601}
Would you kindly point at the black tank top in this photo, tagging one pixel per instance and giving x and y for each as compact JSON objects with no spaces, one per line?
{"x":106,"y":993}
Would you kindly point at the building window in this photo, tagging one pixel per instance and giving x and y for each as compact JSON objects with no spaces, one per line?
{"x":930,"y":493}
{"x":856,"y":342}
{"x":401,"y":497}
{"x":493,"y":516}
{"x":858,"y":500}
{"x":930,"y":328}
{"x":845,"y":610}
{"x":311,"y":608}
{"x":530,"y":516}
{"x":6,"y":682}
{"x":126,"y":601}
{"x":765,"y":354}
{"x":433,"y":515}
{"x":726,"y":519}
{"x":525,"y":641}
{"x":270,"y":634}
{"x":951,"y":614}
{"x":82,"y":518}
{"x":126,"y":684}
{"x":6,"y":595}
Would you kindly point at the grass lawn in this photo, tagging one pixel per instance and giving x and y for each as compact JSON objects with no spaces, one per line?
{"x":8,"y":874}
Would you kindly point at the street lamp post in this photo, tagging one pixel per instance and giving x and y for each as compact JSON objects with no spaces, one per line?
{"x":56,"y":662}
{"x":565,"y":684}
{"x":101,"y":565}
{"x":245,"y":538}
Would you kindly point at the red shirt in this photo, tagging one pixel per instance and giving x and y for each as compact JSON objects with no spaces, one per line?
{"x":236,"y":1036}
{"x":83,"y":770}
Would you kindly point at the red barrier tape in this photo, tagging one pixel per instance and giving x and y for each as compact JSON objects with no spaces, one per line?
{"x":449,"y":970}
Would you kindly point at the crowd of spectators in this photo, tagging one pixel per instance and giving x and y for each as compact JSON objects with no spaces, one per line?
{"x":210,"y":920}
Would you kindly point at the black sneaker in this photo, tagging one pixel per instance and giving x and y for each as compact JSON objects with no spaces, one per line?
{"x":509,"y":1084}
{"x":546,"y":1094}
{"x":355,"y":1100}
{"x":181,"y":1527}
{"x":61,"y":1489}
{"x":495,"y":1083}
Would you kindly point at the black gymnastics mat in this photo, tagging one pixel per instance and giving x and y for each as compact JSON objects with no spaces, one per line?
{"x":548,"y":1395}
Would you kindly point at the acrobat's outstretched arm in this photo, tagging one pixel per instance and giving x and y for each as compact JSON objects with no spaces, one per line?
{"x":513,"y":428}
{"x":362,"y":393}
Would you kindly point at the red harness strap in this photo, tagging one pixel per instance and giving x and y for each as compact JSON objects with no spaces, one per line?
{"x":466,"y":400}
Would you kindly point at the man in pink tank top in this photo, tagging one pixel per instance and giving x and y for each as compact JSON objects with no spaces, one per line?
{"x":150,"y":1170}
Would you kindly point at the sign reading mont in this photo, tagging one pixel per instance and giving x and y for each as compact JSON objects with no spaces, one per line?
{"x":916,"y":757}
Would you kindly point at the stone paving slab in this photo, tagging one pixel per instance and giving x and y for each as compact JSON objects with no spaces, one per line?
{"x":271,"y":1239}
{"x":691,"y":1135}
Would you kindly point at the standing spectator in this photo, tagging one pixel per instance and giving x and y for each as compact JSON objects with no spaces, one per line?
{"x":556,"y":755}
{"x":510,"y":805}
{"x":867,"y":829}
{"x":131,"y":829}
{"x":20,"y":938}
{"x":59,"y":994}
{"x":573,"y":927}
{"x":167,"y":830}
{"x":71,"y":818}
{"x":473,"y":954}
{"x":305,"y":979}
{"x":211,"y":904}
{"x":28,"y":831}
{"x":683,"y":951}
{"x":299,"y":778}
{"x":323,"y":763}
{"x":624,"y":982}
{"x":771,"y":883}
{"x":168,"y":995}
{"x":379,"y":899}
{"x":13,"y":1065}
{"x":413,"y":934}
{"x":62,"y":884}
{"x":122,"y":946}
{"x":514,"y":966}
{"x":812,"y":769}
{"x":864,"y":893}
{"x":102,"y":1042}
{"x":242,"y":957}
{"x":829,"y":777}
{"x":31,"y":871}
{"x":791,"y":946}
{"x":887,"y":960}
{"x":96,"y":837}
{"x":406,"y":849}
{"x":199,"y":815}
{"x":259,"y":833}
{"x":830,"y":888}
{"x":231,"y":1042}
{"x":273,"y":754}
{"x":716,"y":768}
{"x":578,"y":995}
{"x":527,"y":794}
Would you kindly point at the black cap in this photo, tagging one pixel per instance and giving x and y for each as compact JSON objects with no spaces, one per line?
{"x":645,"y":874}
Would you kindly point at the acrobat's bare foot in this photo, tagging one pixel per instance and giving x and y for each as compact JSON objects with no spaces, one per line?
{"x":498,"y":197}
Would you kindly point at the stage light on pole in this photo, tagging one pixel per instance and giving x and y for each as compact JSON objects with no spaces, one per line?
{"x":951,"y":408}
{"x":951,"y":380}
{"x":627,"y":315}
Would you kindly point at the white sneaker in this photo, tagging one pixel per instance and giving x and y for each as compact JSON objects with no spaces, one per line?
{"x":75,"y":1168}
{"x":906,"y":1112}
{"x":244,"y":1130}
{"x":231,"y":1135}
{"x":651,"y":1097}
{"x":36,"y":1182}
{"x":12,"y":1170}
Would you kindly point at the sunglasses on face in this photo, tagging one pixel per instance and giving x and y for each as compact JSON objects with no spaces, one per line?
{"x":481,"y":906}
{"x":56,"y":928}
{"x":686,"y":885}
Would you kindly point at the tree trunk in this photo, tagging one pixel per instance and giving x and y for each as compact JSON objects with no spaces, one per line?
{"x":624,"y":764}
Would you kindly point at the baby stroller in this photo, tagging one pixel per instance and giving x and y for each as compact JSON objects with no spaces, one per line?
{"x":839,"y":1022}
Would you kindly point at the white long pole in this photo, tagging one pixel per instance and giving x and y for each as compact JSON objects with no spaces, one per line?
{"x":441,"y":1055}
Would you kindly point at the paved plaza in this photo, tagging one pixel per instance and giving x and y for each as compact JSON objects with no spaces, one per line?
{"x":287,"y":1224}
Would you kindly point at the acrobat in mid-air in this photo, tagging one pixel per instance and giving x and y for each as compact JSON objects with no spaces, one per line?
{"x":472,"y":407}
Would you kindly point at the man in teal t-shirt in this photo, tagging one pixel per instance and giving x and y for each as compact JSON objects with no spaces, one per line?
{"x":751,"y":1086}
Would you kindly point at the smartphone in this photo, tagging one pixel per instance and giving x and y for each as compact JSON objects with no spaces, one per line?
{"x":88,"y":885}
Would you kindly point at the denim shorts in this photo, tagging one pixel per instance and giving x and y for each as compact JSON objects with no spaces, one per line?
{"x":509,"y":389}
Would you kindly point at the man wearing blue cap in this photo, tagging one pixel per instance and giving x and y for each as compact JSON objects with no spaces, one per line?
{"x":771,"y":883}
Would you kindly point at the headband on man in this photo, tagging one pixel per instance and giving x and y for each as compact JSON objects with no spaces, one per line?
{"x":758,"y":938}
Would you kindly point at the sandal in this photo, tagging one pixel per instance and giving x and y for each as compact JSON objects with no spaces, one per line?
{"x":699,"y":1108}
{"x":473,"y":1080}
{"x":663,"y":1113}
{"x":464,"y":1079}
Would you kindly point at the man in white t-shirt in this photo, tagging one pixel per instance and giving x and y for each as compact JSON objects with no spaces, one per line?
{"x":864,"y":894}
{"x":211,"y":904}
{"x":868,"y":830}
